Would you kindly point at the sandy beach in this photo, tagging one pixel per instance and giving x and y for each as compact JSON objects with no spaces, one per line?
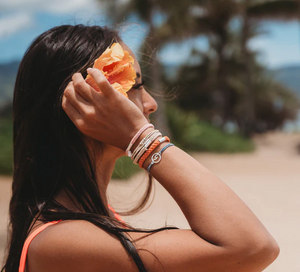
{"x":267,"y":180}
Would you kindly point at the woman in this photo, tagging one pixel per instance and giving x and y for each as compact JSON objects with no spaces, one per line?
{"x":67,"y":137}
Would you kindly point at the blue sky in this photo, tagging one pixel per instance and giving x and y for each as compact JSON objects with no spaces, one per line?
{"x":22,"y":20}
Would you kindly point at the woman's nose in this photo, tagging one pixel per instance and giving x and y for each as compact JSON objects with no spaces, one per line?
{"x":149,"y":102}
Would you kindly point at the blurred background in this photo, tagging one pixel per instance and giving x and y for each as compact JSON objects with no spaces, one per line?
{"x":225,"y":74}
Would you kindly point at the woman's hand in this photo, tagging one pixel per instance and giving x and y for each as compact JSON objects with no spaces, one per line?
{"x":108,"y":117}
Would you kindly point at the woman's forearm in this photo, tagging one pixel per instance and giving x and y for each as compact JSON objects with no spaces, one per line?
{"x":212,"y":209}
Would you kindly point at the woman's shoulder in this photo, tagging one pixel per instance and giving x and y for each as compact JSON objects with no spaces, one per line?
{"x":75,"y":245}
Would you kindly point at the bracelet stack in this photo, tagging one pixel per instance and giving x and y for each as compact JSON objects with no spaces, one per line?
{"x":146,"y":146}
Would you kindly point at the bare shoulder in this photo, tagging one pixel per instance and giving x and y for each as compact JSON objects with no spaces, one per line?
{"x":77,"y":245}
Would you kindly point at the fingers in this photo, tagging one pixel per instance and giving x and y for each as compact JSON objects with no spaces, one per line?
{"x":81,"y":86}
{"x":102,"y":82}
{"x":71,"y":111}
{"x":75,"y":98}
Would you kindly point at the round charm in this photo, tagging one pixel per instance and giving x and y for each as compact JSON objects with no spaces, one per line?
{"x":156,"y":158}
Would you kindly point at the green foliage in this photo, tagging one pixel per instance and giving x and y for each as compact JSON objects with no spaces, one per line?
{"x":6,"y":147}
{"x":192,"y":134}
{"x":125,"y":168}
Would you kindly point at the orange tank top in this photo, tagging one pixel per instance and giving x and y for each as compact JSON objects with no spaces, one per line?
{"x":22,"y":265}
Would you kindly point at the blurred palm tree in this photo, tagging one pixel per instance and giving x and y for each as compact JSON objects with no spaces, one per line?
{"x":280,"y":10}
{"x":227,"y":80}
{"x":249,"y":30}
{"x":254,"y":11}
{"x":214,"y":19}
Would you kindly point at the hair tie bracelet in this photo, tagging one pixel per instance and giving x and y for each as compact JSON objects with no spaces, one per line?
{"x":145,"y":147}
{"x":142,"y":142}
{"x":128,"y":152}
{"x":156,"y":157}
{"x":151,"y":148}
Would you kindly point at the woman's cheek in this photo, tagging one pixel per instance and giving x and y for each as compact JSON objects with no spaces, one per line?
{"x":134,"y":96}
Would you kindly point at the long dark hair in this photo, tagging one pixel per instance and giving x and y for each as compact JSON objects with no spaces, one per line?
{"x":50,"y":153}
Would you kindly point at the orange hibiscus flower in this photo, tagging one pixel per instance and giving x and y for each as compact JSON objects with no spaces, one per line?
{"x":117,"y":66}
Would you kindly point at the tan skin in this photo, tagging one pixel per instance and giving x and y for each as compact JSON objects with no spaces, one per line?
{"x":225,"y":235}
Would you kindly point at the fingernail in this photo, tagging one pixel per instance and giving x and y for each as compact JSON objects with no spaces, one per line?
{"x":89,"y":70}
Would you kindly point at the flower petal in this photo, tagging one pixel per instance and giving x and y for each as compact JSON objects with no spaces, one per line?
{"x":117,"y":66}
{"x":126,"y":78}
{"x":113,"y":54}
{"x":119,"y":88}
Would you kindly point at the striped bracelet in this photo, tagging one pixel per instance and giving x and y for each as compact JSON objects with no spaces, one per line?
{"x":156,"y":157}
